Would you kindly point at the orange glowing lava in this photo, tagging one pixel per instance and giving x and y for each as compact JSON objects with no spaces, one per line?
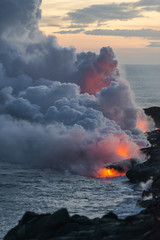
{"x":109,"y":173}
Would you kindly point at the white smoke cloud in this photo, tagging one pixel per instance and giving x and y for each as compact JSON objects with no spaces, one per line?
{"x":19,"y":16}
{"x":60,"y":109}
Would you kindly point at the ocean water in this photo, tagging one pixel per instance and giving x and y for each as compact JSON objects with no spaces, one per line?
{"x":47,"y":190}
{"x":145,"y":83}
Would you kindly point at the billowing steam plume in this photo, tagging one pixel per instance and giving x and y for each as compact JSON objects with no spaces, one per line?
{"x":60,"y":109}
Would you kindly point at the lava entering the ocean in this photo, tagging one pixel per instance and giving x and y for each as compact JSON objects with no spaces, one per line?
{"x":109,"y":173}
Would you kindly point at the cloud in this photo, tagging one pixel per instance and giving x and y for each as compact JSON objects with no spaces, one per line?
{"x":107,"y":12}
{"x":14,"y":15}
{"x":154,"y":44}
{"x":55,"y":21}
{"x":103,"y":13}
{"x":53,"y":25}
{"x":70,"y":32}
{"x":144,"y":33}
{"x":148,"y":3}
{"x":21,"y":108}
{"x":78,"y":26}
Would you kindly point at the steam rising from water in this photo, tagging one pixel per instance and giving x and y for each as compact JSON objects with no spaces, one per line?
{"x":60,"y":109}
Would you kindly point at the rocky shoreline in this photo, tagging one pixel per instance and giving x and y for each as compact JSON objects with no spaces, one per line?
{"x":142,"y":226}
{"x":142,"y":172}
{"x":61,"y":226}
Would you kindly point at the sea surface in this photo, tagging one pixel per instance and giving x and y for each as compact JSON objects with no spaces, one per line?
{"x":47,"y":190}
{"x":145,"y":83}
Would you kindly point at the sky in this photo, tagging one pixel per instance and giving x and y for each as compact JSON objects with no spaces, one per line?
{"x":131,"y":28}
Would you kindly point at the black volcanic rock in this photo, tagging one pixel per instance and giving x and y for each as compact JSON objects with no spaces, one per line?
{"x":124,"y":165}
{"x":35,"y":226}
{"x":153,"y":112}
{"x":156,"y":187}
{"x":79,"y":227}
{"x":142,"y":172}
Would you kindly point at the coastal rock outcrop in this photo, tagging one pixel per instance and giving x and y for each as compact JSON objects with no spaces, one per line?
{"x":61,"y":226}
{"x":153,"y":112}
{"x":142,"y":172}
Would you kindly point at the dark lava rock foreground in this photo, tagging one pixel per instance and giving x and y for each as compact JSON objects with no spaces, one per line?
{"x":61,"y":226}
